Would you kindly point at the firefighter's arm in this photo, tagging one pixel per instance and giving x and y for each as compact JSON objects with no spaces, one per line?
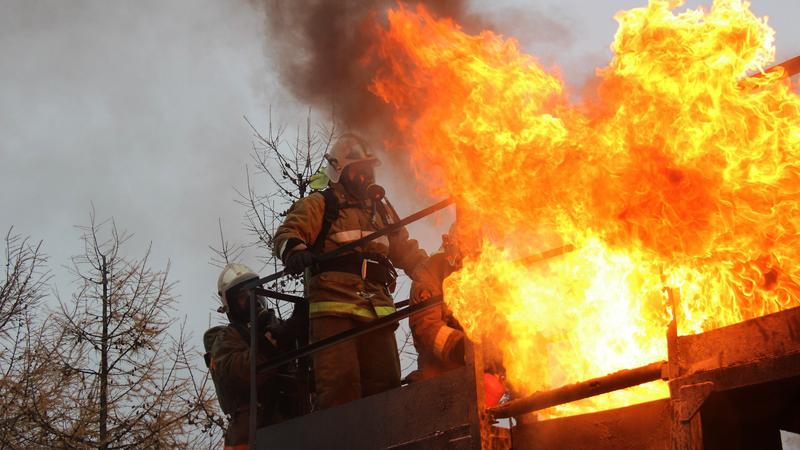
{"x":301,"y":226}
{"x":231,"y":358}
{"x":405,"y":253}
{"x":431,"y":333}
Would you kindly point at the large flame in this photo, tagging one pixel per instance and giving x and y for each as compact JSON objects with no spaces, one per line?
{"x":678,"y":171}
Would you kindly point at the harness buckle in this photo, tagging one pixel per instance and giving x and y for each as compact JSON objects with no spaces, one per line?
{"x":365,"y":295}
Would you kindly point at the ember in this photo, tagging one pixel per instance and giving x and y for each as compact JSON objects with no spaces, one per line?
{"x":678,"y":172}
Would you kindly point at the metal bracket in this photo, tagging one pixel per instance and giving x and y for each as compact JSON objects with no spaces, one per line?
{"x":665,"y":371}
{"x":691,"y":398}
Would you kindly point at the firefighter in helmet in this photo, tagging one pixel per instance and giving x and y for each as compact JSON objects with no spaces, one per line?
{"x":356,"y":286}
{"x":228,"y":358}
{"x":438,"y":337}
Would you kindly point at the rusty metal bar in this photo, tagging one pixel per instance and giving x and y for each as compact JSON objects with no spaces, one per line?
{"x":585,"y":389}
{"x":386,"y":230}
{"x":790,"y":66}
{"x":253,"y":406}
{"x":547,"y":254}
{"x":280,"y":295}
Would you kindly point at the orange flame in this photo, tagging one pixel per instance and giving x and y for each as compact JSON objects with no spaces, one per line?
{"x":677,"y":172}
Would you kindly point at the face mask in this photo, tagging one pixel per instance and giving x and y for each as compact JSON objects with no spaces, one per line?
{"x":359,"y":180}
{"x":241,"y":313}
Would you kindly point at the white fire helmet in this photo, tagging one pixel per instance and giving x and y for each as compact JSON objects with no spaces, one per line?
{"x":232,"y":275}
{"x":348,"y":149}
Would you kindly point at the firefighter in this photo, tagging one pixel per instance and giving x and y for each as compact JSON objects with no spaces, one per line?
{"x":228,"y":359}
{"x":355,"y":287}
{"x":438,"y":337}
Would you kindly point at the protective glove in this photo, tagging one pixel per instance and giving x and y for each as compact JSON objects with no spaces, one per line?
{"x":265,"y":320}
{"x":298,"y":261}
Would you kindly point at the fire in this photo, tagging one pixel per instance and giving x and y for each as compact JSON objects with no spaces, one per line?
{"x":677,"y":171}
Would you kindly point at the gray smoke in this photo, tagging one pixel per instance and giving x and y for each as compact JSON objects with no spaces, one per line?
{"x":318,"y":46}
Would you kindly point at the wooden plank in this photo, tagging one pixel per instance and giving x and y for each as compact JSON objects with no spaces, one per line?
{"x":765,"y":337}
{"x":645,"y":426}
{"x":383,"y":420}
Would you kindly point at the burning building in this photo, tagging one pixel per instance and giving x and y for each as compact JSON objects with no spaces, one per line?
{"x":674,"y":185}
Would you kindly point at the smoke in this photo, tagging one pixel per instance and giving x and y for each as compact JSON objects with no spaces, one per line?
{"x":320,"y":48}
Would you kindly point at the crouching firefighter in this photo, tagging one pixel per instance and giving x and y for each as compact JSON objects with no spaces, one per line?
{"x":228,"y":359}
{"x":352,"y":288}
{"x":438,"y":337}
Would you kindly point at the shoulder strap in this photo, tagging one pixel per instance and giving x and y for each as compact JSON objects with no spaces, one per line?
{"x":328,"y":217}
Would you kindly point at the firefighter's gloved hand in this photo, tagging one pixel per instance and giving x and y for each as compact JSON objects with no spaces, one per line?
{"x":298,"y":261}
{"x":271,"y":339}
{"x":265,"y":319}
{"x":268,"y":346}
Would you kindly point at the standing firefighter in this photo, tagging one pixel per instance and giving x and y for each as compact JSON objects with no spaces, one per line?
{"x":352,"y":288}
{"x":228,"y":359}
{"x":438,"y":337}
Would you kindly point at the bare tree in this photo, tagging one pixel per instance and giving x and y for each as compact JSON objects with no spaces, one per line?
{"x":21,"y":291}
{"x":227,"y":251}
{"x":287,"y":168}
{"x":123,"y":378}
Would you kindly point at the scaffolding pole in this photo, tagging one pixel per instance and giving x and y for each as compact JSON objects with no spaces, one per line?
{"x":578,"y":391}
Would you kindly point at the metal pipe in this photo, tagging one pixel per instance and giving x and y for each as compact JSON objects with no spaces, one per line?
{"x":279,"y":295}
{"x":547,"y":254}
{"x":791,"y":67}
{"x":402,"y":303}
{"x":350,"y":334}
{"x":538,"y":257}
{"x":253,"y":372}
{"x":585,"y":389}
{"x":386,"y":230}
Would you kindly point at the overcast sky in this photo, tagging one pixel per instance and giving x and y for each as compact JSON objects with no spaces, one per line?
{"x":137,"y":107}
